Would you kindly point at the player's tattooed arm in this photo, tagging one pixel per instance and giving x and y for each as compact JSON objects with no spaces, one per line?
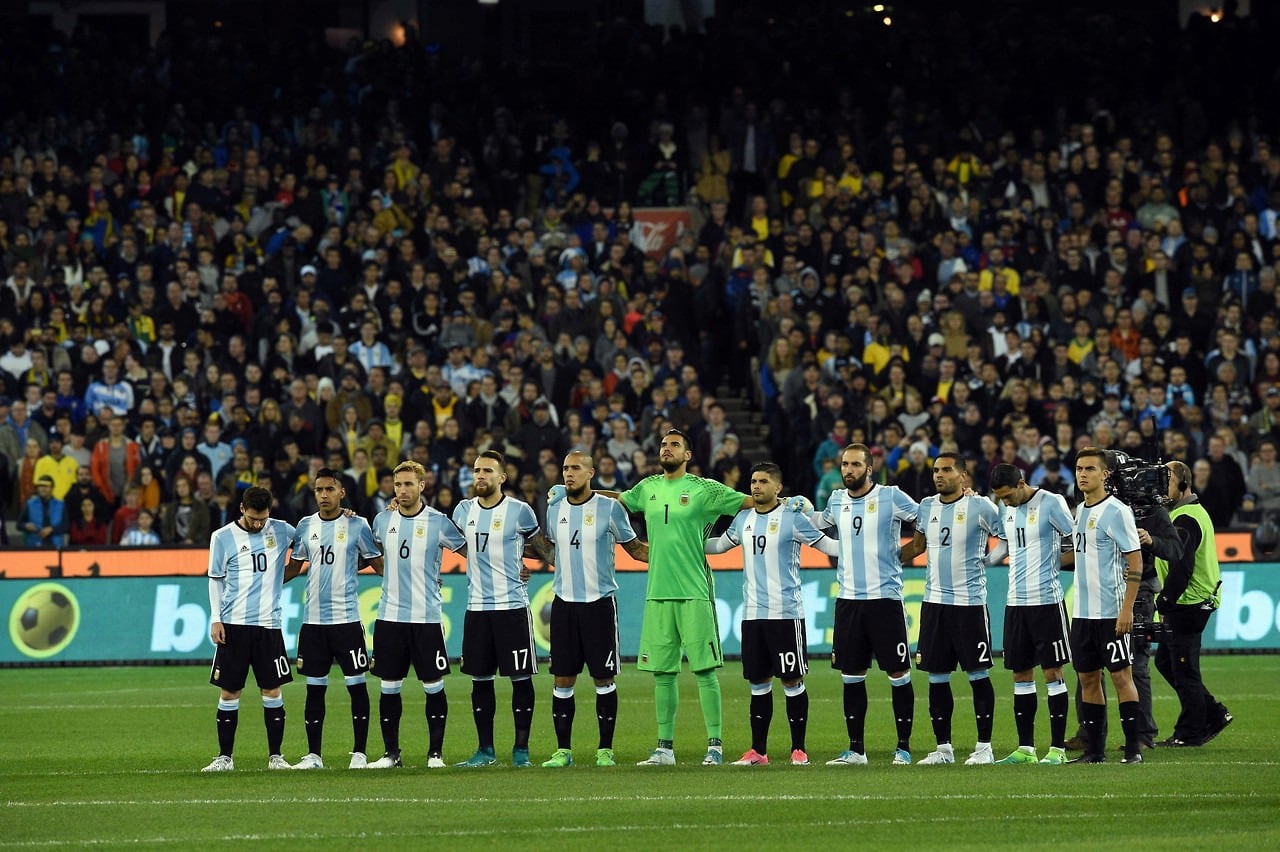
{"x":293,"y":569}
{"x":639,"y":550}
{"x":913,"y":548}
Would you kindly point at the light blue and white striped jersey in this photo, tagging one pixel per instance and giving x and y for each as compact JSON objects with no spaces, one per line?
{"x":957,"y":534}
{"x":495,"y":551}
{"x":252,"y":565}
{"x":1034,"y":534}
{"x":585,"y":537}
{"x":1104,"y":532}
{"x":335,"y":550}
{"x":412,"y":547}
{"x":870,"y":532}
{"x":770,"y":541}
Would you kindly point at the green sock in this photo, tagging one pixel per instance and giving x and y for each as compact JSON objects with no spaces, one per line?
{"x":709,"y":695}
{"x":666,"y":698}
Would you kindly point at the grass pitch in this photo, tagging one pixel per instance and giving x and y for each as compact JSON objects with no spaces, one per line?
{"x":107,"y":757}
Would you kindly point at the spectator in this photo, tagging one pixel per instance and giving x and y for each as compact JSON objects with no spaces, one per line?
{"x":185,"y":520}
{"x":142,"y":532}
{"x":87,"y":529}
{"x":44,"y":521}
{"x":115,"y":459}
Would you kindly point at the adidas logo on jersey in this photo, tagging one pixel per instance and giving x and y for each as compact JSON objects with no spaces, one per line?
{"x":392,"y":530}
{"x":315,"y":536}
{"x":933,"y":520}
{"x":653,"y":497}
{"x":564,"y":520}
{"x":243,"y":548}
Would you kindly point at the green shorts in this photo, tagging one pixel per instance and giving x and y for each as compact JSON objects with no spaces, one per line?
{"x":674,"y":629}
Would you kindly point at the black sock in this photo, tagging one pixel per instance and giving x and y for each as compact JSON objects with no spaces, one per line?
{"x":1129,"y":713}
{"x":904,"y":711}
{"x":484,"y":704}
{"x":1024,"y":717}
{"x":313,"y":717}
{"x":562,"y":712}
{"x":855,"y":713}
{"x":798,"y":718}
{"x":941,"y":705}
{"x":227,"y":722}
{"x":1058,"y":707}
{"x":437,"y":715}
{"x":761,"y":716}
{"x":390,"y":706}
{"x":984,"y":707}
{"x":359,"y":715}
{"x":1091,"y":718}
{"x":274,"y":719}
{"x":522,"y":699}
{"x":607,"y":716}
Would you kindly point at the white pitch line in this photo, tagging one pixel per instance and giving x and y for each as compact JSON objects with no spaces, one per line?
{"x":725,"y":797}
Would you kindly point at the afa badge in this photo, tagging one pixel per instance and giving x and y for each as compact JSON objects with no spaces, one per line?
{"x":871,"y":506}
{"x":773,"y":526}
{"x":589,"y":520}
{"x":497,"y":524}
{"x":959,"y":517}
{"x":419,"y":531}
{"x":271,"y":541}
{"x":1031,"y":517}
{"x":340,"y":536}
{"x":1093,"y":523}
{"x":684,"y":499}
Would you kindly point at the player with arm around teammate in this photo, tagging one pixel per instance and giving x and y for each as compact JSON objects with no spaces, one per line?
{"x":953,"y":529}
{"x":585,"y":528}
{"x":1033,"y":525}
{"x":410,"y":629}
{"x":1108,"y":567}
{"x":870,"y":619}
{"x":773,"y":629}
{"x":335,"y":547}
{"x":247,"y":560}
{"x":497,"y":630}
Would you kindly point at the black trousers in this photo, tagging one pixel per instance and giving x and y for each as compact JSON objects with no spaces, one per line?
{"x":1178,"y":661}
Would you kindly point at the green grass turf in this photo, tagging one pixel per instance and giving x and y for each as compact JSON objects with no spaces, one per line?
{"x":108,"y":757}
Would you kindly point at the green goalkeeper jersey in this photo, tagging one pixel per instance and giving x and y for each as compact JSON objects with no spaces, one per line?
{"x":678,"y":515}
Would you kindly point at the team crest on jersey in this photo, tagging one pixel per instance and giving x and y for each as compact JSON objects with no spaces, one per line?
{"x":684,"y":499}
{"x":871,"y":506}
{"x":1093,"y":524}
{"x":497,"y":524}
{"x":419,"y":531}
{"x":959,"y":517}
{"x":589,"y":520}
{"x":271,"y":541}
{"x":773,"y":526}
{"x":340,"y":536}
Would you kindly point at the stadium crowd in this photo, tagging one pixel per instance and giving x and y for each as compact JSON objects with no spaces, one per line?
{"x":351,"y":258}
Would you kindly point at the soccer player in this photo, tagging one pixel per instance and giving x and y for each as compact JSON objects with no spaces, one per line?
{"x":584,"y":528}
{"x":1108,"y":569}
{"x":773,"y":633}
{"x":1033,"y":524}
{"x":409,"y":627}
{"x":335,"y":547}
{"x":953,"y":529}
{"x":247,"y":561}
{"x":497,"y":630}
{"x":680,"y":605}
{"x":870,"y":618}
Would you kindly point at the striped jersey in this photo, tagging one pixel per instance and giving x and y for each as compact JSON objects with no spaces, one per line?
{"x":335,"y":550}
{"x":1034,"y":534}
{"x":1104,"y":532}
{"x":770,"y":541}
{"x":957,"y":534}
{"x":870,"y":532}
{"x":412,"y":547}
{"x":252,"y":565}
{"x":585,"y":537}
{"x":495,"y":551}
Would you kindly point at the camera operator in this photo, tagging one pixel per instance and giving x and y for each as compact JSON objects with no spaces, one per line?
{"x":1160,"y":540}
{"x":1190,"y":595}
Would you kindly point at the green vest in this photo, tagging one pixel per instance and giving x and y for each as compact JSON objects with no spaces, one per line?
{"x":1205,"y":574}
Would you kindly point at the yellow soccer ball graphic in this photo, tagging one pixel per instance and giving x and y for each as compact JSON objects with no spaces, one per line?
{"x":44,"y":620}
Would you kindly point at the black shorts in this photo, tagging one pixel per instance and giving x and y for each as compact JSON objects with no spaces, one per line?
{"x":951,"y":635}
{"x":864,"y":628}
{"x":774,"y":647}
{"x":320,"y":644}
{"x":396,"y":644}
{"x":246,"y":646}
{"x":1036,"y":636}
{"x":585,"y":634}
{"x":1095,"y":645}
{"x":498,"y":641}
